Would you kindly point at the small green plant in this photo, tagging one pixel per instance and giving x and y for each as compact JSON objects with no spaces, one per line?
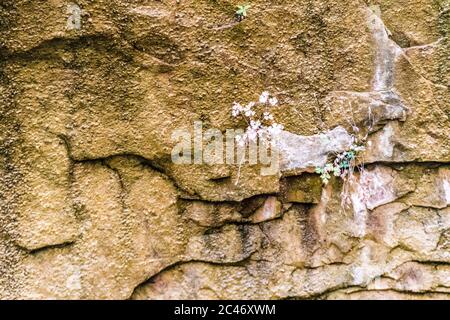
{"x":241,"y":12}
{"x":342,"y":166}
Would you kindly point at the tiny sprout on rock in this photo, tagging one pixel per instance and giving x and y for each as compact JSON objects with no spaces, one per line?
{"x":241,"y":12}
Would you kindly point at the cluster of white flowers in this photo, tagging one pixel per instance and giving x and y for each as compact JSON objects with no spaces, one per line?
{"x":260,"y":125}
{"x":265,"y":98}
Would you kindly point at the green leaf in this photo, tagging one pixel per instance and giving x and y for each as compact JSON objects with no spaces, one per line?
{"x":344,"y":164}
{"x":242,"y":10}
{"x":337,"y":171}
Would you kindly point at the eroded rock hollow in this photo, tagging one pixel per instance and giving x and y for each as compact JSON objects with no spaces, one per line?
{"x":92,"y":207}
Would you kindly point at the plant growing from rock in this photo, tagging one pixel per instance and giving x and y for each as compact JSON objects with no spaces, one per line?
{"x":343,"y":165}
{"x":241,"y":12}
{"x":261,"y":125}
{"x":260,"y":121}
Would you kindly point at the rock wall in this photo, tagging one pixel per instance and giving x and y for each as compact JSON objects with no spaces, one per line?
{"x":92,"y":206}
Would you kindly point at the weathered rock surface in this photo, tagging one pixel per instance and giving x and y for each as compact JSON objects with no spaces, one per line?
{"x":92,"y":207}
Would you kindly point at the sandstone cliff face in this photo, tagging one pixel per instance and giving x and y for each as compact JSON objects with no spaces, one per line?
{"x":93,"y":208}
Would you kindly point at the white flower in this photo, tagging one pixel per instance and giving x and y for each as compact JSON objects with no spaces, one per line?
{"x":255,"y":125}
{"x":249,"y":113}
{"x":248,"y":110}
{"x":237,"y":109}
{"x":268,"y":116}
{"x":264,"y":97}
{"x":273,"y":101}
